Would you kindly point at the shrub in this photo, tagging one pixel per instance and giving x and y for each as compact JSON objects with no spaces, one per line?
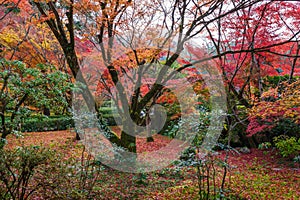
{"x":17,"y":169}
{"x":297,"y":159}
{"x":42,"y":173}
{"x":70,"y":178}
{"x":170,"y":128}
{"x":281,"y":115}
{"x":36,"y":124}
{"x":264,"y":145}
{"x":288,"y":146}
{"x":211,"y":171}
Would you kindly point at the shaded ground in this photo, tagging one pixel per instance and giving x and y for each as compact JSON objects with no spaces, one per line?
{"x":262,"y":174}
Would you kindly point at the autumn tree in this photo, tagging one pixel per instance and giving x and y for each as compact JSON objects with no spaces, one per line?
{"x":118,"y":27}
{"x":277,"y":114}
{"x":8,"y":6}
{"x":23,"y":38}
{"x":257,"y":41}
{"x":107,"y":19}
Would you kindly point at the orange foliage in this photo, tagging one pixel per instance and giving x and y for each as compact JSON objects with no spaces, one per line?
{"x":266,"y":114}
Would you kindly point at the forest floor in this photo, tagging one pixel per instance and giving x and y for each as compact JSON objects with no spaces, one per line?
{"x":261,"y":174}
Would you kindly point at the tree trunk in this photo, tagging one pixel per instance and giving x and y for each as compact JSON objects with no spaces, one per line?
{"x":77,"y":137}
{"x":4,"y":134}
{"x":149,"y":137}
{"x":294,"y":64}
{"x":46,"y":111}
{"x":128,"y":141}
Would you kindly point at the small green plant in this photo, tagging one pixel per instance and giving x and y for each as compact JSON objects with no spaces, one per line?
{"x":3,"y":142}
{"x":297,"y":159}
{"x":141,"y":178}
{"x":264,"y":145}
{"x":212,"y":172}
{"x":288,"y":146}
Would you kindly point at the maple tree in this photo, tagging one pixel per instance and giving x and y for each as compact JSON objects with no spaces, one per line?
{"x":107,"y":22}
{"x":110,"y":28}
{"x":104,"y":20}
{"x":166,"y":98}
{"x":277,"y":106}
{"x":23,"y":38}
{"x":263,"y":40}
{"x":9,"y":6}
{"x":259,"y":27}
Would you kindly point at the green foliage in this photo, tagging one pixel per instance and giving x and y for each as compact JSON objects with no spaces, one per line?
{"x":51,"y":123}
{"x":140,"y":178}
{"x":22,"y":87}
{"x":106,"y":110}
{"x":111,"y":119}
{"x":297,"y":159}
{"x":287,"y":146}
{"x":264,"y":145}
{"x":273,"y":81}
{"x":2,"y":142}
{"x":170,"y":129}
{"x":286,"y":126}
{"x":109,"y":113}
{"x":172,"y":126}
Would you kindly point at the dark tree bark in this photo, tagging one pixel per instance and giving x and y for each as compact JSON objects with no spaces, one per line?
{"x":66,"y":40}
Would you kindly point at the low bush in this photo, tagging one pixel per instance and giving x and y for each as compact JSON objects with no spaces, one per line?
{"x":212,"y":172}
{"x":53,"y":123}
{"x":170,"y":128}
{"x":288,"y":146}
{"x":17,"y":169}
{"x":281,"y":115}
{"x":70,"y":178}
{"x":264,"y":145}
{"x":35,"y":172}
{"x":111,"y":119}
